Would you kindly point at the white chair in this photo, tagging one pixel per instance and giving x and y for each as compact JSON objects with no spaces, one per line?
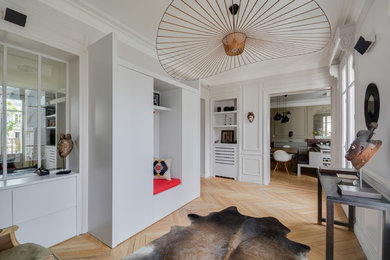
{"x":282,"y":157}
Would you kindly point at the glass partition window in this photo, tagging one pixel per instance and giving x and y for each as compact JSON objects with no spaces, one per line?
{"x":22,"y":117}
{"x":35,"y":109}
{"x":1,"y":109}
{"x":53,"y":110}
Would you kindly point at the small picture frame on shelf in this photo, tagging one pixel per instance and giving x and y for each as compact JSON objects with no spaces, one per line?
{"x":156,"y":99}
{"x":227,"y":136}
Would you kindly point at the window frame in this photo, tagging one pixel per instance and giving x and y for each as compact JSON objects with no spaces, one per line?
{"x":39,"y":91}
{"x":348,"y":95}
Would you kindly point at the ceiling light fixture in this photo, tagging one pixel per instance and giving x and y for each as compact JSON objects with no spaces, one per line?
{"x":200,"y":38}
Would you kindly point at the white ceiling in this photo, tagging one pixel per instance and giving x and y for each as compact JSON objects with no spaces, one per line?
{"x":143,"y":18}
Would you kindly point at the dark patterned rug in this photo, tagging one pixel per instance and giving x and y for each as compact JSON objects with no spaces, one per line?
{"x":224,"y":235}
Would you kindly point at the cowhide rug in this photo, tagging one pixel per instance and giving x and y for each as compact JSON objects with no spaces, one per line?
{"x":224,"y":235}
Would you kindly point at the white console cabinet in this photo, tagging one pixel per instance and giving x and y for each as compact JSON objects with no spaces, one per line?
{"x":44,"y":208}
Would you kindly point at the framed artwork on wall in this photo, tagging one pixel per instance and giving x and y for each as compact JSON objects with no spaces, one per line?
{"x":156,"y":99}
{"x":227,"y":136}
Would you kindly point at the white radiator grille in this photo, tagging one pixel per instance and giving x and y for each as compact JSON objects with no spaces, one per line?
{"x":225,"y":160}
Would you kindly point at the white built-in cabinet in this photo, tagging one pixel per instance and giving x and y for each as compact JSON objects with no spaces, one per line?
{"x":225,"y":122}
{"x":124,"y":137}
{"x":45,"y":208}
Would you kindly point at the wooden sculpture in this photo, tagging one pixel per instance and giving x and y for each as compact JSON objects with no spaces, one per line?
{"x":363,"y":148}
{"x":64,"y":146}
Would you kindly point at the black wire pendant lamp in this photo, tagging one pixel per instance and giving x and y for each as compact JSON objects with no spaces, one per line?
{"x":285,"y":117}
{"x":277,"y":116}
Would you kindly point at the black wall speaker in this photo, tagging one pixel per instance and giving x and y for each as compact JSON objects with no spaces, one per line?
{"x":362,"y":45}
{"x":15,"y":17}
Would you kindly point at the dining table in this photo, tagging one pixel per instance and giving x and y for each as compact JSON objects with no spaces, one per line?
{"x":289,"y":150}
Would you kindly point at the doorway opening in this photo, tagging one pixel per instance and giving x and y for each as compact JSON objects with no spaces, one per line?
{"x":300,"y":132}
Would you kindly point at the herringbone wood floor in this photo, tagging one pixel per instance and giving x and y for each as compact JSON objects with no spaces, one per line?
{"x":292,"y":200}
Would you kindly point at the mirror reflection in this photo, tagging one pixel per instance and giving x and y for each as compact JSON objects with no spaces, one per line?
{"x":322,"y":125}
{"x":371,"y":104}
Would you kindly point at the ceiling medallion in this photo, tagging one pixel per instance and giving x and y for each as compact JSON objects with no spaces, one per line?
{"x":200,"y":38}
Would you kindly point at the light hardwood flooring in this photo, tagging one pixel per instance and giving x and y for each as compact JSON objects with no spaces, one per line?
{"x":292,"y":200}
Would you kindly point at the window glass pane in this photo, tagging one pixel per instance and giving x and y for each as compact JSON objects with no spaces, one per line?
{"x":53,"y":103}
{"x":343,"y":114}
{"x":351,"y":72}
{"x":1,"y":109}
{"x":22,"y":116}
{"x":351,"y":114}
{"x":343,"y":79}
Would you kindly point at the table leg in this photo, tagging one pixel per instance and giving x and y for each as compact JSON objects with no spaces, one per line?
{"x":329,"y":229}
{"x":319,"y":202}
{"x":351,"y":217}
{"x":386,"y":235}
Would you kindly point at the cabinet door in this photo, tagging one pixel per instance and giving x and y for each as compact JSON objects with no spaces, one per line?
{"x":5,"y":208}
{"x":191,"y":143}
{"x":132,"y":153}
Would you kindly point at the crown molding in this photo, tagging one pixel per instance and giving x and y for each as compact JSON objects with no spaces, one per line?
{"x":87,"y":14}
{"x":304,"y":103}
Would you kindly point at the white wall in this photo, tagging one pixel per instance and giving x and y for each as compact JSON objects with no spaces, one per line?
{"x":301,"y":123}
{"x":254,"y":96}
{"x":374,"y":67}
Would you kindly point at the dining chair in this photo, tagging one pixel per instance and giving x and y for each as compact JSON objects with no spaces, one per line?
{"x":282,"y":157}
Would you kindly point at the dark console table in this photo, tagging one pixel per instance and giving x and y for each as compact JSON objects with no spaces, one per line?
{"x":328,"y":182}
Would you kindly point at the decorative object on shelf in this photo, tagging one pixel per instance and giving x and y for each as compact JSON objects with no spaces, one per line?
{"x":361,"y":151}
{"x":162,"y":168}
{"x":251,"y":117}
{"x":156,"y":99}
{"x":226,"y":109}
{"x":231,"y":108}
{"x":371,"y":104}
{"x":64,"y":146}
{"x":199,"y":39}
{"x":42,"y":171}
{"x":259,"y":238}
{"x":219,"y":109}
{"x":227,"y":136}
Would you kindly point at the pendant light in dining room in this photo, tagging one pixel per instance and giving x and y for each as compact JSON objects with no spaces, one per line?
{"x":200,"y":38}
{"x":277,"y":116}
{"x":285,"y":118}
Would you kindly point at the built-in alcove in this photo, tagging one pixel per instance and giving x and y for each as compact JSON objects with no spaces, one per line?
{"x":167,"y":129}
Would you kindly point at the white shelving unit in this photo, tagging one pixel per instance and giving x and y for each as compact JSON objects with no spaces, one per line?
{"x":225,"y":126}
{"x":225,"y":155}
{"x":54,"y":124}
{"x":161,"y":108}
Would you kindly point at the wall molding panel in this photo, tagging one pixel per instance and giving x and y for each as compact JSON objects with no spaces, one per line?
{"x":254,"y":96}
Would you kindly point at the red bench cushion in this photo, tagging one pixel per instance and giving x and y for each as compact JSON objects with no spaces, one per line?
{"x":160,"y":185}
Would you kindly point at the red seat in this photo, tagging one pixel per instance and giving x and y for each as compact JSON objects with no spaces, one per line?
{"x":160,"y":185}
